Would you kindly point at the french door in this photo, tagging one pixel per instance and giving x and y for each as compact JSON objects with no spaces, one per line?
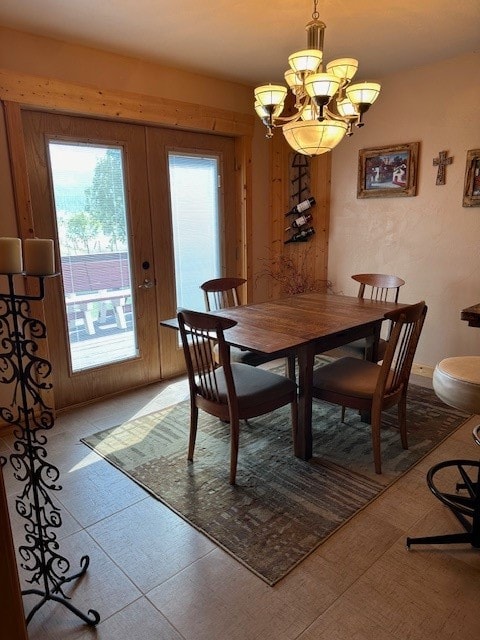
{"x":140,"y":219}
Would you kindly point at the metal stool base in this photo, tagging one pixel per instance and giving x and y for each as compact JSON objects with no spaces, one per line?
{"x":466,"y":508}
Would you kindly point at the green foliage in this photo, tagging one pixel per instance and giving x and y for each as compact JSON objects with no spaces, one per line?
{"x":105,"y":199}
{"x":81,"y":230}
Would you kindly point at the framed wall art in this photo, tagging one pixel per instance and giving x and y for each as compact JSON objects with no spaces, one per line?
{"x":388,"y":172}
{"x":471,"y":189}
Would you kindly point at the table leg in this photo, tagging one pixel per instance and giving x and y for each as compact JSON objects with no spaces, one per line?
{"x":303,"y":444}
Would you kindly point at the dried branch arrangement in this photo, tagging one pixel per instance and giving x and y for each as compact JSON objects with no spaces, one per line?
{"x":293,"y":273}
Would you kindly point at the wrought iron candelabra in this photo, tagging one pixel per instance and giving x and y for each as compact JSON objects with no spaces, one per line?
{"x":22,"y":367}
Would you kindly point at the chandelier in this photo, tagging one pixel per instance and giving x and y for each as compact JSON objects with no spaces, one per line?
{"x":327,"y":104}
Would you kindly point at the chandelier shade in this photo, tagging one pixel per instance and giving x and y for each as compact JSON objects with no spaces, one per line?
{"x":312,"y":138}
{"x":306,"y":61}
{"x":346,"y":108}
{"x":270,"y":95}
{"x":293,"y":80}
{"x":327,"y":104}
{"x":263,"y":112}
{"x":363,"y":92}
{"x":322,"y":85}
{"x":344,"y":68}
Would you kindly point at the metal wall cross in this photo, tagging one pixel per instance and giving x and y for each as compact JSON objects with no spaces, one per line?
{"x":441,"y":162}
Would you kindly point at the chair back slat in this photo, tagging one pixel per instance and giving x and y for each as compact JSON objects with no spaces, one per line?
{"x":201,"y":349}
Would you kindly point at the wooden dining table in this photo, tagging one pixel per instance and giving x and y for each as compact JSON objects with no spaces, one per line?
{"x":305,"y":325}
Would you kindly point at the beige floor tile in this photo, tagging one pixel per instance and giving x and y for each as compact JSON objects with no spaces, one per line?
{"x":137,"y":621}
{"x":150,"y":542}
{"x":404,"y":502}
{"x":357,"y":545}
{"x":97,"y":490}
{"x":228,"y":601}
{"x":417,"y":595}
{"x":335,"y":624}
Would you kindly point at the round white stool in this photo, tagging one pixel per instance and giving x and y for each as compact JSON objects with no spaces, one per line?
{"x":456,"y":381}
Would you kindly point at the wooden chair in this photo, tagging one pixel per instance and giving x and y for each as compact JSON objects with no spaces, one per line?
{"x":232,"y":391}
{"x":371,"y":387}
{"x":373,"y":286}
{"x":221,"y":293}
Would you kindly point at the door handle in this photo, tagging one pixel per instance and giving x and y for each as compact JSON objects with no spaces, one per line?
{"x":146,"y":284}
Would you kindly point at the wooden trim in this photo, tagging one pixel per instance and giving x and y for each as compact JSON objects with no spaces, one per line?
{"x":18,"y":168}
{"x":244,"y":253}
{"x":23,"y":207}
{"x":56,"y":95}
{"x":423,"y":370}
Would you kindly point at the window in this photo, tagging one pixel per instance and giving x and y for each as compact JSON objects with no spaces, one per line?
{"x":194,"y":187}
{"x":88,"y":185}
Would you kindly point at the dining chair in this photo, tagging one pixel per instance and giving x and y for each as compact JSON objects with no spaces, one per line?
{"x":232,"y":391}
{"x":372,"y":387}
{"x":373,"y":286}
{"x":221,"y":293}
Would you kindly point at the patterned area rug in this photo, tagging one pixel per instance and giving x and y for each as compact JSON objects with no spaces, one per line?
{"x":282,"y":508}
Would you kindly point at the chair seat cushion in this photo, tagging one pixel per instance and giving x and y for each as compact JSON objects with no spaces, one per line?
{"x":456,"y":381}
{"x":347,"y":376}
{"x":254,"y":386}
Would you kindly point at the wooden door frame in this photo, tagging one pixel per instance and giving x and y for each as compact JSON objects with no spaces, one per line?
{"x":26,"y":92}
{"x":22,"y":91}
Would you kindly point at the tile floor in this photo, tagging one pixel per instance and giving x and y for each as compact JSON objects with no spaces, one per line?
{"x":153,"y":577}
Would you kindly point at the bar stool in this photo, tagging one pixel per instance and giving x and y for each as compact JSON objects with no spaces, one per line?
{"x":456,"y":381}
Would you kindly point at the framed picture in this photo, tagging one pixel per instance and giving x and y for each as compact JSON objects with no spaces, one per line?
{"x":471,"y":189}
{"x":388,"y":172}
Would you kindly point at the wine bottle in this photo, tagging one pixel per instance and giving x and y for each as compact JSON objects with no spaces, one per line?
{"x":301,"y":236}
{"x":301,"y":206}
{"x":299,"y":222}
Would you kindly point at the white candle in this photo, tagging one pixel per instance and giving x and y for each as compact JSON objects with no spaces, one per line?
{"x":11,"y":255}
{"x":39,"y":256}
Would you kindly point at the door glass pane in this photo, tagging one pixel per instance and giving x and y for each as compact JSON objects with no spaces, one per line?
{"x":91,"y":218}
{"x":194,"y":190}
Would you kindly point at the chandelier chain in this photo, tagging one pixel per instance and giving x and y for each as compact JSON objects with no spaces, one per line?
{"x":315,"y":14}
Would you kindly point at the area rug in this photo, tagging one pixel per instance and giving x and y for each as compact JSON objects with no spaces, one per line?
{"x":282,"y":508}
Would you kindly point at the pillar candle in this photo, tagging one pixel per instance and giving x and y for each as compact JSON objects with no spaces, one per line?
{"x":10,"y":255}
{"x":39,"y":256}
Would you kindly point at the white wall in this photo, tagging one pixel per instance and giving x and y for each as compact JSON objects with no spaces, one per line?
{"x":429,"y":240}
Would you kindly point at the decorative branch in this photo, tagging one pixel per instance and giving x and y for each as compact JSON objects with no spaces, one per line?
{"x":292,"y":273}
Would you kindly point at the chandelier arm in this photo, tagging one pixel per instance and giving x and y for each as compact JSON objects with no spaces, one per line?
{"x":279,"y":120}
{"x":336,"y":116}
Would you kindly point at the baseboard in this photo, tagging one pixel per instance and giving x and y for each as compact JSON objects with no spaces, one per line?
{"x":423,"y":370}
